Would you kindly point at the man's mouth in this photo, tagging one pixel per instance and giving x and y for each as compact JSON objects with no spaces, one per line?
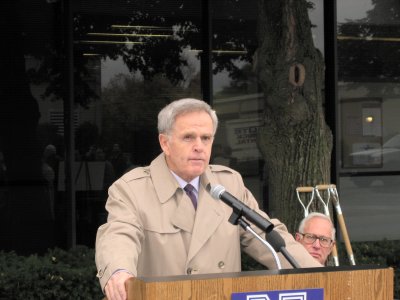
{"x":196,"y":159}
{"x":315,"y":254}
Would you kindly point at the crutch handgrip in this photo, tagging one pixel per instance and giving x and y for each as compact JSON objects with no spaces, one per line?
{"x":323,"y":187}
{"x":305,"y":189}
{"x":324,"y":204}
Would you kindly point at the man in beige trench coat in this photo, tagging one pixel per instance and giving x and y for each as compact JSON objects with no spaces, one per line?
{"x":153,"y":229}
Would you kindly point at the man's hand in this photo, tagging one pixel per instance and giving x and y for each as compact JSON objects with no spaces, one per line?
{"x":115,"y":287}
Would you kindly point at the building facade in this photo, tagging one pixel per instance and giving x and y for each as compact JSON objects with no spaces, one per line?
{"x":84,"y":81}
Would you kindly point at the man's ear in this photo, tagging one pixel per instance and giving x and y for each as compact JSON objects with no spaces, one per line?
{"x":297,"y":237}
{"x":163,"y":140}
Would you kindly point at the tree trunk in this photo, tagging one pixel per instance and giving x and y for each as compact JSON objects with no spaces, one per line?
{"x":295,"y":141}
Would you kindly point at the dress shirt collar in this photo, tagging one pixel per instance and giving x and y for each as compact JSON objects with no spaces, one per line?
{"x":182,"y":183}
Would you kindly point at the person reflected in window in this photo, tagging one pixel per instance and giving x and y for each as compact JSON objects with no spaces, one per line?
{"x":222,"y":155}
{"x":118,"y":160}
{"x":317,"y":234}
{"x":109,"y":174}
{"x":3,"y":182}
{"x":50,"y":162}
{"x":163,"y":222}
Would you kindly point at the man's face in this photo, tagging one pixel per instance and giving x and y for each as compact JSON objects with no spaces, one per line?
{"x":188,"y":147}
{"x":321,"y":228}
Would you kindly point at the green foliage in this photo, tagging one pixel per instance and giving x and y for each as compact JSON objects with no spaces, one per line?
{"x":58,"y":274}
{"x":61,"y":274}
{"x":383,"y":253}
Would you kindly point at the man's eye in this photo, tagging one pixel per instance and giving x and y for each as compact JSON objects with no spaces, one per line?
{"x":188,"y":138}
{"x":206,"y":138}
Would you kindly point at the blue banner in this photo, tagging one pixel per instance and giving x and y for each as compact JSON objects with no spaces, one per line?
{"x":308,"y":294}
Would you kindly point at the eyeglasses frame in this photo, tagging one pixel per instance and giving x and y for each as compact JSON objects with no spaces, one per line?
{"x":316,"y":237}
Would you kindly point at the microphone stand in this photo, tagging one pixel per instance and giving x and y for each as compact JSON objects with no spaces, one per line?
{"x":290,"y":258}
{"x":236,"y":219}
{"x":278,"y":244}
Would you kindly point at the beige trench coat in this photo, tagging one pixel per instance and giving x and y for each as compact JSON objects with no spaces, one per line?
{"x":153,"y":230}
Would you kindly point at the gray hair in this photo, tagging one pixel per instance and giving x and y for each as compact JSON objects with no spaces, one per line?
{"x":316,"y":215}
{"x":168,"y":115}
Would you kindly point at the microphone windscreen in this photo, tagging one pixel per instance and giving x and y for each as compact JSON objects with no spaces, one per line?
{"x":216,"y":191}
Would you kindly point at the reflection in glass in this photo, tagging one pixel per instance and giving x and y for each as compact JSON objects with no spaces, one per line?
{"x":368,"y":70}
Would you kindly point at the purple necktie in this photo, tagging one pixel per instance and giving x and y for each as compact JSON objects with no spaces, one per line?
{"x":189,"y":191}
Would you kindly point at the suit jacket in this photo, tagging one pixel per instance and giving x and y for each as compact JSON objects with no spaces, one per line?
{"x":153,"y":229}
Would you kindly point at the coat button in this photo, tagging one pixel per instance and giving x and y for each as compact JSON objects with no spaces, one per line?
{"x":100,"y":273}
{"x":221,"y":265}
{"x":192,"y":270}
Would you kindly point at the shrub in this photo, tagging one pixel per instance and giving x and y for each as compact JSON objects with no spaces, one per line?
{"x":383,"y":253}
{"x":61,"y":274}
{"x":58,"y":274}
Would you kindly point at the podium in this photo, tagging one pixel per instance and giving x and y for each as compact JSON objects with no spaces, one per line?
{"x":338,"y":283}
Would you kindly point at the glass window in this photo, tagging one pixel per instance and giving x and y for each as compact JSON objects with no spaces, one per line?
{"x":131,"y":59}
{"x":237,"y":97}
{"x":369,"y":105}
{"x":30,"y":143}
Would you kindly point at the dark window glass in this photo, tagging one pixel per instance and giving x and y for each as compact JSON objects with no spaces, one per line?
{"x":129,"y":59}
{"x":369,"y":135}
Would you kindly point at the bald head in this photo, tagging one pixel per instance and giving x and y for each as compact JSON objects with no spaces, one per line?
{"x":317,"y":234}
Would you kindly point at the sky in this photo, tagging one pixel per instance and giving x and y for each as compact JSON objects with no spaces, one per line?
{"x":352,"y":9}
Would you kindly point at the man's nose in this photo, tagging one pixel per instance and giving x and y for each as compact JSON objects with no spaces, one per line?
{"x":317,"y":243}
{"x":198,"y":143}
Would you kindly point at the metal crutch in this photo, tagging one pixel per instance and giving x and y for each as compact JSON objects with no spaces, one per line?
{"x":304,"y":204}
{"x":313,"y":191}
{"x":342,"y":224}
{"x":324,"y":187}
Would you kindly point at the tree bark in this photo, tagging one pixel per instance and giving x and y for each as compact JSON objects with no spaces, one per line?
{"x":295,"y":141}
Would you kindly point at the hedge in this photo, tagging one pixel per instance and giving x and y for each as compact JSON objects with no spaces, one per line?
{"x":58,"y":274}
{"x":383,"y":253}
{"x":61,"y":274}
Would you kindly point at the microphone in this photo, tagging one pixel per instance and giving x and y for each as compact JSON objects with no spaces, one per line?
{"x":219,"y":192}
{"x":279,"y":245}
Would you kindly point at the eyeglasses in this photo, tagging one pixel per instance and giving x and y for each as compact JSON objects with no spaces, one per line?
{"x":311,"y":238}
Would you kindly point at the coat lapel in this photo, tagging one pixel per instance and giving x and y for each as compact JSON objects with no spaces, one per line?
{"x":184,"y":215}
{"x":210,"y":214}
{"x":168,"y":189}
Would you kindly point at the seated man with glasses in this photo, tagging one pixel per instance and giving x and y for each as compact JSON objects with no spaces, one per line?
{"x":317,"y":234}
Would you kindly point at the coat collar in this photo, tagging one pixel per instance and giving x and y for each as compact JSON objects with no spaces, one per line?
{"x":166,"y":185}
{"x":164,"y":182}
{"x":210,"y":212}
